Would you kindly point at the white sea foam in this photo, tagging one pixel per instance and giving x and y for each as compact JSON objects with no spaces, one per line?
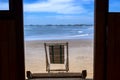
{"x":78,"y":35}
{"x":80,"y":31}
{"x":57,"y":32}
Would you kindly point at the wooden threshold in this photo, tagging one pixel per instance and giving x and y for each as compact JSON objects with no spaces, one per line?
{"x":57,"y":75}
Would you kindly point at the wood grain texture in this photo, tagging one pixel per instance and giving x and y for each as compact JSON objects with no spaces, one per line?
{"x":8,"y":50}
{"x":113,"y":56}
{"x":11,"y":42}
{"x":101,"y":12}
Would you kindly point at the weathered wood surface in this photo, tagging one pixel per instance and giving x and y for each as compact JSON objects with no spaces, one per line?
{"x":113,"y":56}
{"x":59,"y":79}
{"x":56,"y":75}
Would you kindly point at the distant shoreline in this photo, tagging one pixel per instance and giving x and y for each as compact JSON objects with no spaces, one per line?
{"x":59,"y":39}
{"x":64,"y":32}
{"x":59,"y":25}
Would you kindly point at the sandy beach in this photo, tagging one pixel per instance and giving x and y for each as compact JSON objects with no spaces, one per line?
{"x":80,"y":56}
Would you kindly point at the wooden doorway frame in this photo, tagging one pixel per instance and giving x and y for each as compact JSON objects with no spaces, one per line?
{"x":100,"y":40}
{"x":12,"y":42}
{"x":16,"y":13}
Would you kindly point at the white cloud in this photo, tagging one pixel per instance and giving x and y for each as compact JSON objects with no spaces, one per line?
{"x":55,"y":6}
{"x":60,"y":1}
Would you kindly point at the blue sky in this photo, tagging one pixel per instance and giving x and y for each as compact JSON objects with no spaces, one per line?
{"x":114,"y":5}
{"x":60,"y":11}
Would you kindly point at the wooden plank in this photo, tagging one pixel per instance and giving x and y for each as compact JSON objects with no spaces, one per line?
{"x":61,"y":79}
{"x":47,"y":44}
{"x":56,"y":54}
{"x":57,"y":69}
{"x":12,"y":50}
{"x":8,"y":50}
{"x":6,"y":15}
{"x":16,"y":8}
{"x":4,"y":48}
{"x":11,"y":44}
{"x":57,"y":75}
{"x":113,"y":58}
{"x":101,"y":11}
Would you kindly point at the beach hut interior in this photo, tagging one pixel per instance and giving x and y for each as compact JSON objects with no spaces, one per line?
{"x":105,"y":46}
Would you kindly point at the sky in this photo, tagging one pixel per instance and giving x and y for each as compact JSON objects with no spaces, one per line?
{"x":60,"y":11}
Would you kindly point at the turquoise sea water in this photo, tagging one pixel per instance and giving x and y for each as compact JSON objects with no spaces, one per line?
{"x":42,"y":32}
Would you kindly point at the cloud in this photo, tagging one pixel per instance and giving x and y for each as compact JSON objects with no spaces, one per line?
{"x":55,"y":6}
{"x":60,"y":1}
{"x":65,"y":12}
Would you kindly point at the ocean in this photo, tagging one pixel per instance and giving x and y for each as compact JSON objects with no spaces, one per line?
{"x":43,"y":32}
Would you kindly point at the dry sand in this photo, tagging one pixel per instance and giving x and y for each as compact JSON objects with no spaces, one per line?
{"x":80,"y":56}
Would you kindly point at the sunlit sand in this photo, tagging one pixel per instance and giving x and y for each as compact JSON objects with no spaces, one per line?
{"x":80,"y":56}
